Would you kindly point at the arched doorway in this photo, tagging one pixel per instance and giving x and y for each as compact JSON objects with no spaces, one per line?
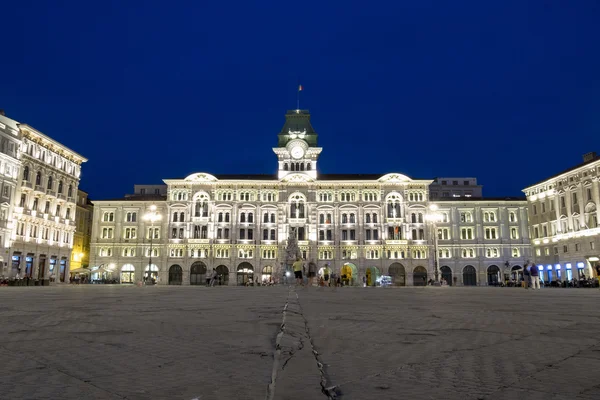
{"x":127,"y":273}
{"x":516,"y":273}
{"x":420,"y":276}
{"x":469,"y":276}
{"x":267,"y":274}
{"x":398,"y":274}
{"x":151,"y":274}
{"x":198,"y":273}
{"x":245,"y":273}
{"x":348,"y":274}
{"x":372,"y":276}
{"x":222,"y":275}
{"x":446,"y":274}
{"x":175,"y":275}
{"x":493,"y":274}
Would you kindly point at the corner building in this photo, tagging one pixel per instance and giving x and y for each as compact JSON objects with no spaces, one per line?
{"x":563,"y":219}
{"x":368,"y":225}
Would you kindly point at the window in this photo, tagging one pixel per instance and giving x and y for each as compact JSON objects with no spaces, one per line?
{"x":562,"y":201}
{"x":222,"y":253}
{"x":536,"y":233}
{"x":153,"y":233}
{"x":543,"y":208}
{"x":250,"y":234}
{"x":107,"y":233}
{"x":547,"y":251}
{"x":325,"y":254}
{"x":269,"y":254}
{"x":68,"y":214}
{"x":105,"y":252}
{"x":393,"y":206}
{"x":129,"y":252}
{"x":49,"y":186}
{"x":250,"y":218}
{"x":555,"y":250}
{"x":466,"y":233}
{"x":576,"y":246}
{"x":534,"y":209}
{"x":468,"y":253}
{"x":466,"y":216}
{"x":512,"y":217}
{"x":242,"y":234}
{"x":297,"y":206}
{"x":574,"y":198}
{"x":131,"y":217}
{"x":60,"y":187}
{"x":545,"y":230}
{"x":26,"y":173}
{"x":443,"y":233}
{"x":466,"y":183}
{"x":589,"y":194}
{"x":538,"y":252}
{"x":57,"y":213}
{"x":513,"y":233}
{"x":443,"y":253}
{"x":70,"y":191}
{"x":108,"y":216}
{"x":38,"y":179}
{"x":565,"y":248}
{"x":491,"y":252}
{"x":490,"y":233}
{"x":592,"y":245}
{"x":47,"y":207}
{"x":515,"y":252}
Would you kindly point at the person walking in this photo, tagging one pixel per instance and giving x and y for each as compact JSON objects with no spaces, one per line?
{"x":598,"y":273}
{"x":526,"y":275}
{"x":535,"y":276}
{"x":298,"y":270}
{"x":213,"y":278}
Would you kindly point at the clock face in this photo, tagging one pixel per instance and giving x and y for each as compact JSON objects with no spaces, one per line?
{"x":297,"y":152}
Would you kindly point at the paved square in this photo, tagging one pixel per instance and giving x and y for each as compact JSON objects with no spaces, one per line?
{"x":119,"y":342}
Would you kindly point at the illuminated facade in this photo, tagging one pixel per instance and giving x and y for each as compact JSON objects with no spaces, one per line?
{"x":39,"y":216}
{"x":563,"y":220}
{"x":80,"y":256}
{"x":370,"y":225}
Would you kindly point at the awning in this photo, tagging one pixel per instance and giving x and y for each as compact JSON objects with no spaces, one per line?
{"x":80,"y":271}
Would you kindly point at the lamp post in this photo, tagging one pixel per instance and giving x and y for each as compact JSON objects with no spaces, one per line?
{"x":434,"y":217}
{"x":151,"y":216}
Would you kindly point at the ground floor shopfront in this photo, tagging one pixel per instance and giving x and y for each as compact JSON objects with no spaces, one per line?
{"x":37,"y":266}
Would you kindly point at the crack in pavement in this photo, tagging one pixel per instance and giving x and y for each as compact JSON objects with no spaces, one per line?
{"x":277,"y":351}
{"x":331,"y":392}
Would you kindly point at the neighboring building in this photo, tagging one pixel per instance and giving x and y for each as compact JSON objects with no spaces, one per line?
{"x":80,"y":256}
{"x":369,"y":225}
{"x":563,"y":220}
{"x":10,"y":166}
{"x":39,"y":214}
{"x":443,"y":188}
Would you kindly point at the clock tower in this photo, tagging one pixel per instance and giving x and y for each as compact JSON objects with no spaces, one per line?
{"x":297,"y":150}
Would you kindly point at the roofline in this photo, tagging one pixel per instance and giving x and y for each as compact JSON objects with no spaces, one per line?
{"x":564,"y":172}
{"x":29,"y":128}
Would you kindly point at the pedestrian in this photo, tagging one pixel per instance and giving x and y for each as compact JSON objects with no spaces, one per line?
{"x":312,"y":272}
{"x":364,"y":281}
{"x":535,"y":276}
{"x":208,"y":279}
{"x":526,"y":275}
{"x":598,"y":273}
{"x":326,"y":274}
{"x":213,"y":278}
{"x":298,"y":270}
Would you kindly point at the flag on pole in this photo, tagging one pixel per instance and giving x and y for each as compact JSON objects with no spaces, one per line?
{"x":300,"y":88}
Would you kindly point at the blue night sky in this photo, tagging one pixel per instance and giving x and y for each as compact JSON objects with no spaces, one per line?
{"x":506,"y":91}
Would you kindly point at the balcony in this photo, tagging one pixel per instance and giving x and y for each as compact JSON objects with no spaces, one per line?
{"x":61,"y":196}
{"x":204,"y":218}
{"x":71,"y":199}
{"x":396,"y":242}
{"x":51,"y":192}
{"x":40,"y":189}
{"x":297,"y":221}
{"x":26,"y":184}
{"x":200,"y":241}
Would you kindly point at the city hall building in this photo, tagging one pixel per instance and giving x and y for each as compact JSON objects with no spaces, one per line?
{"x":364,"y":225}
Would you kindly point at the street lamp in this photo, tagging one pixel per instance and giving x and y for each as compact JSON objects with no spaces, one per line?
{"x":151,"y":216}
{"x":434,"y":217}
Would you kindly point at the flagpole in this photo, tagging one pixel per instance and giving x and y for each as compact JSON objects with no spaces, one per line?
{"x":298,"y":98}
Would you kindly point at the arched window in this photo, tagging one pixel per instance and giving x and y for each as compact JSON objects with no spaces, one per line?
{"x":297,"y":209}
{"x":175,"y":217}
{"x":60,"y":187}
{"x":352,"y":218}
{"x":374,"y":218}
{"x":266,"y":217}
{"x":243,"y":217}
{"x":49,"y":182}
{"x":220,"y":217}
{"x":38,"y":178}
{"x":226,"y":217}
{"x":26,"y":173}
{"x":344,"y":218}
{"x":250,"y":217}
{"x":285,"y":166}
{"x":413,"y":218}
{"x":273,"y":218}
{"x":181,"y":217}
{"x":420,"y":217}
{"x":321,"y":219}
{"x":368,"y":218}
{"x":70,"y":191}
{"x":414,"y":234}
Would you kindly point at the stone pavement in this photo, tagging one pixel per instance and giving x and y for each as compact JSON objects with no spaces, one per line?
{"x":121,"y":342}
